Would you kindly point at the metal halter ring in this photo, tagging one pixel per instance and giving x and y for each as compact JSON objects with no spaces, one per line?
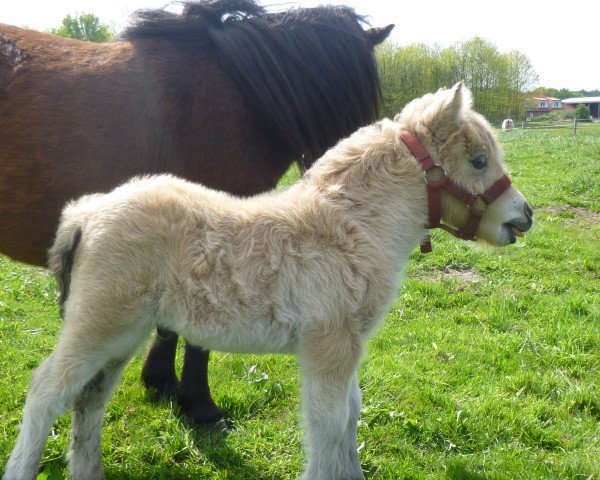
{"x":436,"y":176}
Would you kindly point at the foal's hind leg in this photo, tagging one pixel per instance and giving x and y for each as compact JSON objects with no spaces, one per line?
{"x":85,"y":348}
{"x":48,"y":398}
{"x":54,"y":386}
{"x":85,"y":460}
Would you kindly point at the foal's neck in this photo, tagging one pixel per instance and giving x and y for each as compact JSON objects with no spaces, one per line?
{"x":372,"y":178}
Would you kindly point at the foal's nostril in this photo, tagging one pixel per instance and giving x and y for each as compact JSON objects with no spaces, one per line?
{"x":528,"y":212}
{"x":528,"y":218}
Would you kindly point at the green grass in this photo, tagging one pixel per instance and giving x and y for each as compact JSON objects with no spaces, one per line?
{"x":487,"y":366}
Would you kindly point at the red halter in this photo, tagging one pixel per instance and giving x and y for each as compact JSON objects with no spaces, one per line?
{"x":437,"y":180}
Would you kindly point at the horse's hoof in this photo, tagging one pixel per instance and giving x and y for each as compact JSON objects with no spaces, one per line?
{"x":211,"y":420}
{"x":222,"y":426}
{"x":160,"y":389}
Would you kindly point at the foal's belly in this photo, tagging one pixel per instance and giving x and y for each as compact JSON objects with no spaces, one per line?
{"x":249,"y":342}
{"x":245,"y":334}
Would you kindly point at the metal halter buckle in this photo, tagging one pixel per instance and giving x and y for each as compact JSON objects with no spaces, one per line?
{"x":478,"y":205}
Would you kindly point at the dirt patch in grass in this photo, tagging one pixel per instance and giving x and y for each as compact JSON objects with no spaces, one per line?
{"x":465,"y":275}
{"x":462,"y":275}
{"x":580,"y":213}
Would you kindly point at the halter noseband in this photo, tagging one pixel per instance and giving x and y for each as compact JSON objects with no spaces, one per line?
{"x":437,"y":180}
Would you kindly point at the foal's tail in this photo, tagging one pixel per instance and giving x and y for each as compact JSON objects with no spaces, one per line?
{"x":62,"y":252}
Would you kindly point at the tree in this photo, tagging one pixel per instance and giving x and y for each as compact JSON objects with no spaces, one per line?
{"x":520,"y":79}
{"x":566,"y":93}
{"x":582,"y":112}
{"x":499,"y":81}
{"x":85,"y":26}
{"x":409,"y":72}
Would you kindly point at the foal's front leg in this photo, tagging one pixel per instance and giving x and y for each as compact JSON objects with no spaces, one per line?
{"x":331,"y":404}
{"x":349,"y":444}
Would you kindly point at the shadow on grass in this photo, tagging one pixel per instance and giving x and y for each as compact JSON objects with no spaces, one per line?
{"x":215,"y":448}
{"x":217,"y":459}
{"x":216,"y":455}
{"x":462,"y":472}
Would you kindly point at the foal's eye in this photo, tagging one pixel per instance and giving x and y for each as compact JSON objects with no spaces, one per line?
{"x":479,"y":162}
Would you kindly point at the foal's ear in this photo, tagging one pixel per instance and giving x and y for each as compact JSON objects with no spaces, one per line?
{"x":447,"y":114}
{"x":378,"y":35}
{"x":462,"y":95}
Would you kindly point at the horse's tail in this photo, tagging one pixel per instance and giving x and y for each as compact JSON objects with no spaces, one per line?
{"x":62,"y":253}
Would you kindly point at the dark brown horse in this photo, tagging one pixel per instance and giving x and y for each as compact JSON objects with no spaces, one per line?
{"x":224,"y":93}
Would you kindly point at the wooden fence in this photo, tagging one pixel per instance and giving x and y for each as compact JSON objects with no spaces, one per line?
{"x":575,"y":125}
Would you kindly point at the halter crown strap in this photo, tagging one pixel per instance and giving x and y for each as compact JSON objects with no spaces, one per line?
{"x":418,"y":150}
{"x":437,"y":180}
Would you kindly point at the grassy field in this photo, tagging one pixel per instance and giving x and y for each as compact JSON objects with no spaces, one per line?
{"x":487,"y":367}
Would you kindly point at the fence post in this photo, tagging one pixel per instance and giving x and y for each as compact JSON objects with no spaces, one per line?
{"x":523,"y":125}
{"x":574,"y":125}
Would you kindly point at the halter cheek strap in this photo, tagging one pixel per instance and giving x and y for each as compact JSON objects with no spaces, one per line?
{"x":437,"y":180}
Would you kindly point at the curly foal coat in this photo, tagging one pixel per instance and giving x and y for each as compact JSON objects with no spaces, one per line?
{"x":311,"y":270}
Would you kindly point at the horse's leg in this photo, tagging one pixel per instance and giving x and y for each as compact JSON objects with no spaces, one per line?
{"x":193,"y":393}
{"x":85,"y":459}
{"x":331,"y":404}
{"x":159,"y":368}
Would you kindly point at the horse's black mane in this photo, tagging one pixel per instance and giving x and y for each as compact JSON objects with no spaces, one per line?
{"x":310,"y":73}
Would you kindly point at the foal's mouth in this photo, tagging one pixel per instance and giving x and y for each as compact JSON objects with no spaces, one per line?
{"x":516,"y":232}
{"x":517,"y":229}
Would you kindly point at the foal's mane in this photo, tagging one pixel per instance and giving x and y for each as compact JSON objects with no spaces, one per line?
{"x":309,"y":73}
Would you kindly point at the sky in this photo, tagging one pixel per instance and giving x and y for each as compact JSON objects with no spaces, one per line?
{"x":562,"y":40}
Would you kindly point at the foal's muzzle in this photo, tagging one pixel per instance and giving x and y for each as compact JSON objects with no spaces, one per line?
{"x":518,"y":226}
